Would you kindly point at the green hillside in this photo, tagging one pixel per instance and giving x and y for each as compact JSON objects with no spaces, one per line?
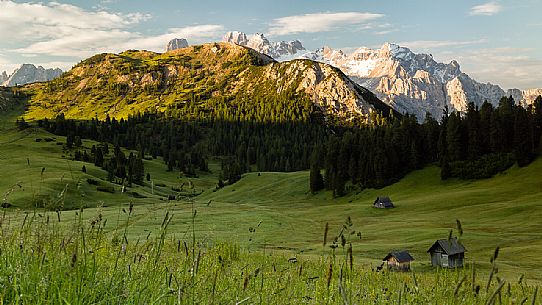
{"x":207,"y":77}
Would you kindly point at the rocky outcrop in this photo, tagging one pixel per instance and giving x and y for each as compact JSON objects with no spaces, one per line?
{"x":282,"y":50}
{"x":7,"y":100}
{"x":177,"y":43}
{"x":28,"y":73}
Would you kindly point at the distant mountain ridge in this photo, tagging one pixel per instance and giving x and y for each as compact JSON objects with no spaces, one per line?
{"x":260,"y":43}
{"x":28,"y":73}
{"x":416,"y":83}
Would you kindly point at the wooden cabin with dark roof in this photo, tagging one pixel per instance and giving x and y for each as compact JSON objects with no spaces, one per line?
{"x":383,"y":202}
{"x":447,"y":253}
{"x":398,"y":261}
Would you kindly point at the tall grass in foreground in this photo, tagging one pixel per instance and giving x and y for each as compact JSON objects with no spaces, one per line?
{"x":42,"y":263}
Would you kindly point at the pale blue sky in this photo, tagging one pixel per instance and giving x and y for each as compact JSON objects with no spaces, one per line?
{"x":494,"y":41}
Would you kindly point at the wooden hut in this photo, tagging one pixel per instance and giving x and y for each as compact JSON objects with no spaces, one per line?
{"x":398,"y":261}
{"x":447,"y":253}
{"x":382,"y":202}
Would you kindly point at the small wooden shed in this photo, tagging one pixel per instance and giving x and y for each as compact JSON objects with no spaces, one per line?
{"x":447,"y":253}
{"x":383,"y":202}
{"x":398,"y":261}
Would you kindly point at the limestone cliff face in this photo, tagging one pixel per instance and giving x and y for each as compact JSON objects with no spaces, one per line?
{"x":328,"y":87}
{"x":525,"y":97}
{"x":177,"y":43}
{"x":408,"y":82}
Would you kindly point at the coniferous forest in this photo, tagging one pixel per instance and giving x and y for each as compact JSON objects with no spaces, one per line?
{"x":288,"y":134}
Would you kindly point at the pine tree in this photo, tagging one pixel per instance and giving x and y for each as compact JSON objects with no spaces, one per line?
{"x":473,"y":131}
{"x":522,"y":137}
{"x":69,"y":141}
{"x":316,"y":179}
{"x":445,"y":169}
{"x":99,"y":158}
{"x":486,"y":111}
{"x":454,"y":138}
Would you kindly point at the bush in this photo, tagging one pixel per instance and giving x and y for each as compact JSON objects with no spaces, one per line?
{"x":106,"y":189}
{"x":92,"y":181}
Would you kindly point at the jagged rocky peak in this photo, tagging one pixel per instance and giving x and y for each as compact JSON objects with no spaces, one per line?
{"x":236,"y":37}
{"x":525,"y":97}
{"x":29,"y":73}
{"x":177,"y":43}
{"x":280,"y":50}
{"x":3,"y":77}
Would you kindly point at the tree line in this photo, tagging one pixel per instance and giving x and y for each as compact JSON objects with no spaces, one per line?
{"x":472,"y":145}
{"x":290,"y":134}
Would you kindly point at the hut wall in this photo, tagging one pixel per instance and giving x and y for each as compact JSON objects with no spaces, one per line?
{"x":456,"y":260}
{"x":436,"y":259}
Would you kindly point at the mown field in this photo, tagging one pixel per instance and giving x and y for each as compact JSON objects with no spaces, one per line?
{"x":242,"y":239}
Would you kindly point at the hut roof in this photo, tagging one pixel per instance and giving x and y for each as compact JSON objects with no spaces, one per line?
{"x":384,"y":200}
{"x":400,"y":256}
{"x":451,"y":247}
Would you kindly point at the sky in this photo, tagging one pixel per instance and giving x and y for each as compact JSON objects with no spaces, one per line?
{"x":494,"y":41}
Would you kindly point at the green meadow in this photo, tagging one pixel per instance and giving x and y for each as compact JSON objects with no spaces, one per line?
{"x":260,"y":240}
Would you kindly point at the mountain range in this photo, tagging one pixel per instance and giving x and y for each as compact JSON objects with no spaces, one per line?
{"x":28,"y":73}
{"x":405,"y":81}
{"x":408,"y":82}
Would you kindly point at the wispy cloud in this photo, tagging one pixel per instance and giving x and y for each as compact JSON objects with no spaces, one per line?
{"x":55,"y":29}
{"x":508,"y":67}
{"x":486,"y":9}
{"x":425,"y":45}
{"x":319,"y":22}
{"x":116,"y":41}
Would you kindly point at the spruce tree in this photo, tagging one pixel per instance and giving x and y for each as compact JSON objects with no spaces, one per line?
{"x":99,"y":158}
{"x":522,"y":137}
{"x":316,"y":179}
